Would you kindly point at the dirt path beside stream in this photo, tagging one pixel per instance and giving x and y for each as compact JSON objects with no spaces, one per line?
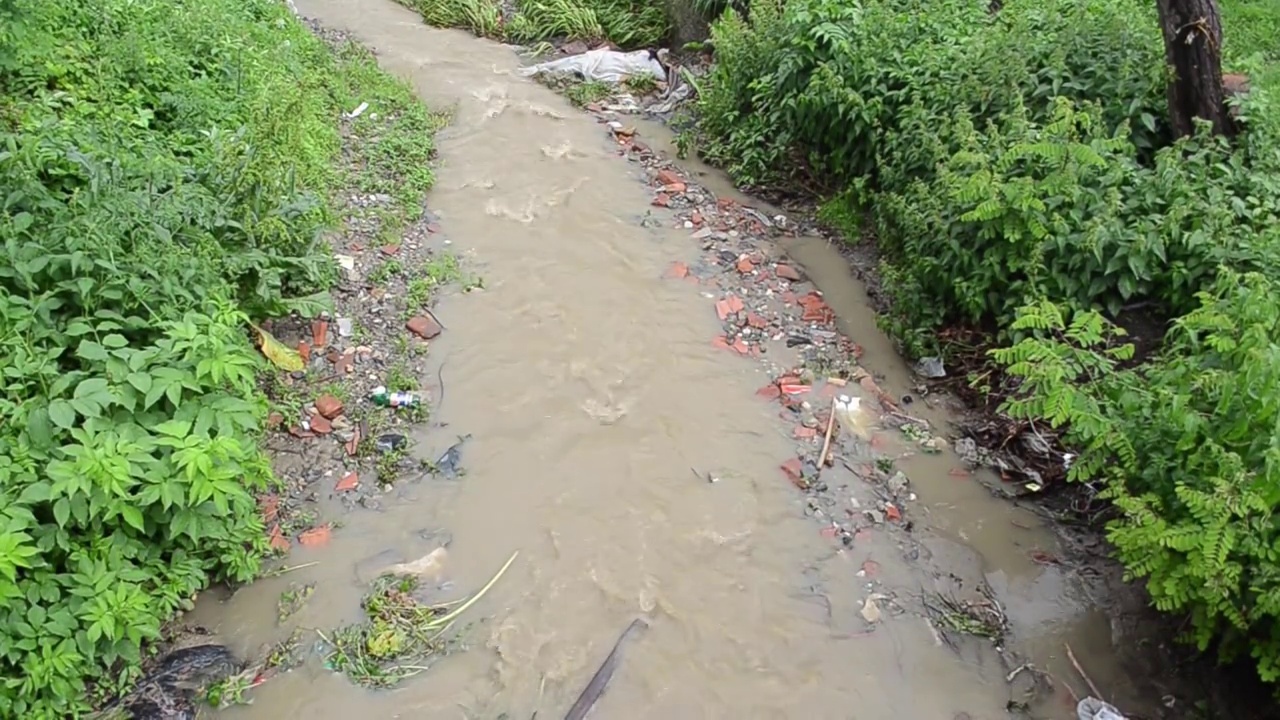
{"x":645,"y":380}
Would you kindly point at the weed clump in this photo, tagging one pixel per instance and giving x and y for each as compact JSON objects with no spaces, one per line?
{"x":626,"y":23}
{"x":400,"y":633}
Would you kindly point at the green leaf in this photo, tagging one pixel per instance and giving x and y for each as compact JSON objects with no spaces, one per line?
{"x":115,"y":341}
{"x":62,"y":511}
{"x":133,"y":516}
{"x":90,"y":350}
{"x":141,"y":381}
{"x":62,"y":414}
{"x":77,"y":328}
{"x":22,"y":221}
{"x":174,"y":428}
{"x":39,"y":429}
{"x":35,"y":493}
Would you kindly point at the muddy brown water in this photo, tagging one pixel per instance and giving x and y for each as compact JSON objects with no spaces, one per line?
{"x":591,"y":389}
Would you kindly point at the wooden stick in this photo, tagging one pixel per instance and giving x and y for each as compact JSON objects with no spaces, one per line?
{"x":826,"y":444}
{"x":1074,"y":663}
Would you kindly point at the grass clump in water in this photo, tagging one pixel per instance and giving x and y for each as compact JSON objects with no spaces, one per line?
{"x":400,"y":633}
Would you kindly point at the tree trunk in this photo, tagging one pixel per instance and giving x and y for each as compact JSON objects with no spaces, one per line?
{"x":1193,"y":48}
{"x":687,"y":24}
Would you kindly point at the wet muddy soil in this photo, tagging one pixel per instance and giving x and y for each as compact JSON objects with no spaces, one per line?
{"x":676,"y":406}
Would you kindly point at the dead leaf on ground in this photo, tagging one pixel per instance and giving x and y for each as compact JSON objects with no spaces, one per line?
{"x":278,"y":353}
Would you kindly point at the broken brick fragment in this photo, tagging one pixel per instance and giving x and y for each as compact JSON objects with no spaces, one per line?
{"x":424,"y":327}
{"x":277,"y":539}
{"x":786,"y":272}
{"x":668,"y":177}
{"x":329,"y":406}
{"x":770,"y":392}
{"x":316,"y":536}
{"x":794,"y":471}
{"x":347,"y":483}
{"x":319,"y":333}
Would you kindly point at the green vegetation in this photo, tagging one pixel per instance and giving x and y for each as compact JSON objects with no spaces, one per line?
{"x":627,"y":23}
{"x":165,"y":169}
{"x":401,"y":631}
{"x":1017,"y":171}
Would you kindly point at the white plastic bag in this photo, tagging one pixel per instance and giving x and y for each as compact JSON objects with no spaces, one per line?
{"x":609,"y":66}
{"x":1092,"y":708}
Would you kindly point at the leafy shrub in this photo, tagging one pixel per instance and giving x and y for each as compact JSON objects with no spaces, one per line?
{"x":164,"y":168}
{"x":627,"y":23}
{"x":1066,"y":211}
{"x":857,"y":89}
{"x":1186,"y":448}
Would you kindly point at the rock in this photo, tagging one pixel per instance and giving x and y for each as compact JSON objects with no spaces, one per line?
{"x":870,"y":611}
{"x":424,"y":327}
{"x":429,"y":567}
{"x":345,"y":327}
{"x":390,"y":443}
{"x":329,"y":406}
{"x":930,"y":367}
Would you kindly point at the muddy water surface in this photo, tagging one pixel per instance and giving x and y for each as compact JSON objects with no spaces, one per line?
{"x":593,"y":397}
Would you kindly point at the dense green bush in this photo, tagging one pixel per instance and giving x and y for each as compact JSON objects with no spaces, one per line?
{"x":866,"y":91}
{"x":1017,"y":173}
{"x":627,"y":23}
{"x":999,"y":157}
{"x":164,"y":167}
{"x":1186,"y":446}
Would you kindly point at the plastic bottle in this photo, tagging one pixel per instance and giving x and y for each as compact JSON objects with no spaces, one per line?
{"x":382,"y":398}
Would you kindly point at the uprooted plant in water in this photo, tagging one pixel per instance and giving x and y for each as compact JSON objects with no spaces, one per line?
{"x":401,"y":633}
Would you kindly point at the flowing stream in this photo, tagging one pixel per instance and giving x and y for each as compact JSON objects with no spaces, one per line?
{"x":590,"y":389}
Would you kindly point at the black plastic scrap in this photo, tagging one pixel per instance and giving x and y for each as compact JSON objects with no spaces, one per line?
{"x":451,"y":461}
{"x":600,"y":680}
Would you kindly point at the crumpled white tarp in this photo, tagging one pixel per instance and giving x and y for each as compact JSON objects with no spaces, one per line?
{"x":604,"y":65}
{"x":1094,"y":709}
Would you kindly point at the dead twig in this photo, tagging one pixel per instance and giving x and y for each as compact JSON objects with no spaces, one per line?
{"x":826,"y":443}
{"x":1074,"y":663}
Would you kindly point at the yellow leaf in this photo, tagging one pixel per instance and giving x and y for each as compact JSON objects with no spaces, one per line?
{"x":281,"y":356}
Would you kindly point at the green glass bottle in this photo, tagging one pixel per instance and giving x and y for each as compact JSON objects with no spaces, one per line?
{"x":382,"y":398}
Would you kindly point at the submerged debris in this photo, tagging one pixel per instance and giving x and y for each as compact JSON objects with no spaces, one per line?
{"x":600,"y":680}
{"x":449,"y":464}
{"x":170,"y":688}
{"x":983,"y":617}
